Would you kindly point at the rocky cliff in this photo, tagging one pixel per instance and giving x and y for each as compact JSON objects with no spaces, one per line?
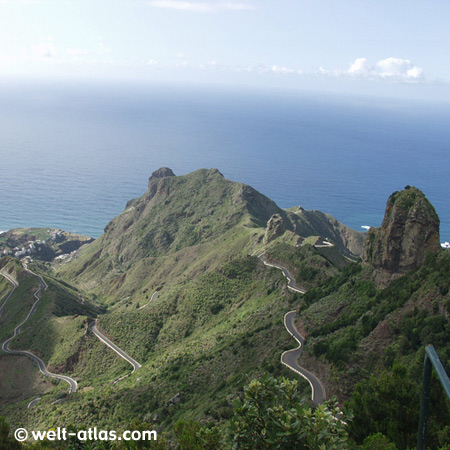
{"x":275,"y":228}
{"x":195,"y":221}
{"x":409,"y":232}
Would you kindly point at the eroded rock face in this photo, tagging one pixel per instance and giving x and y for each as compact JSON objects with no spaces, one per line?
{"x":162,"y":173}
{"x":409,"y":232}
{"x":156,"y":181}
{"x":275,"y":227}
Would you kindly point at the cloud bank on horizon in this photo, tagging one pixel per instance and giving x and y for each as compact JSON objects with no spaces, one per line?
{"x":389,"y":68}
{"x":229,"y":40}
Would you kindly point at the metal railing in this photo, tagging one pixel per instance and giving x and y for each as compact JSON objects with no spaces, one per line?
{"x":431,"y":360}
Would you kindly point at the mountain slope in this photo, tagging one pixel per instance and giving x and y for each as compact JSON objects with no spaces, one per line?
{"x":183,"y":226}
{"x":217,"y":317}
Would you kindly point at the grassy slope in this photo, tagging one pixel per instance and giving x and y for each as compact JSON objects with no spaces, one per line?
{"x":55,"y":332}
{"x":181,"y":227}
{"x":203,"y":341}
{"x":309,"y":266}
{"x":218,"y":318}
{"x":360,"y":329}
{"x":20,"y":381}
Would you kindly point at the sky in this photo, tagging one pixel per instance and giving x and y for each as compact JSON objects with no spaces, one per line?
{"x":399,"y":47}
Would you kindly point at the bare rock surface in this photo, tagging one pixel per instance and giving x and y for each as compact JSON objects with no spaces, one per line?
{"x":408,"y":234}
{"x":275,"y":228}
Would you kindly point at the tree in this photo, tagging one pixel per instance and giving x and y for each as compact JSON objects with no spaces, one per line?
{"x":376,"y":442}
{"x":387,"y":404}
{"x":192,"y":436}
{"x":6,"y":441}
{"x":272,"y":415}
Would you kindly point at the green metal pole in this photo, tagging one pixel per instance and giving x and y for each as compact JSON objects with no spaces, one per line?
{"x":431,"y":360}
{"x":439,"y":368}
{"x":424,"y":404}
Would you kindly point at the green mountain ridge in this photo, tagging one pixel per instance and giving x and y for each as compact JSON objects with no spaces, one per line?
{"x":217,"y":320}
{"x":200,"y":217}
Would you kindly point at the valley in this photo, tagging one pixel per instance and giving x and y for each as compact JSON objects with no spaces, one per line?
{"x":203,"y":284}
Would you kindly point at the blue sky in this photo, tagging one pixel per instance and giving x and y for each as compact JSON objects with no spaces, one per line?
{"x":387,"y":47}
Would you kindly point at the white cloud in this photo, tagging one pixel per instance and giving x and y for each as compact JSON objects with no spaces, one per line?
{"x":281,"y":70}
{"x":388,"y":69}
{"x":414,"y":72}
{"x":263,"y":69}
{"x":201,"y":7}
{"x":400,"y":68}
{"x":361,"y":66}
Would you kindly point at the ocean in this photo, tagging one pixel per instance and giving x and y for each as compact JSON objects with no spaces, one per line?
{"x":72,"y":154}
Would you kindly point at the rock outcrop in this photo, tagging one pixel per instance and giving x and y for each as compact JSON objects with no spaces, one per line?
{"x":275,"y":228}
{"x":157,"y":181}
{"x":409,"y":232}
{"x":162,"y":173}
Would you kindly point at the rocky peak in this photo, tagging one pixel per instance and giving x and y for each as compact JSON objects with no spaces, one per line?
{"x":275,"y":228}
{"x":213,"y":172}
{"x":162,"y":173}
{"x":409,"y":232}
{"x":156,"y":181}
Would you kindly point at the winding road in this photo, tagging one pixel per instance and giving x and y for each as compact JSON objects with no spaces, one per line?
{"x":42,"y":367}
{"x":14,"y":283}
{"x":93,"y":327}
{"x":290,"y":357}
{"x":288,"y":276}
{"x":5,"y":346}
{"x":33,"y":402}
{"x":153,"y":297}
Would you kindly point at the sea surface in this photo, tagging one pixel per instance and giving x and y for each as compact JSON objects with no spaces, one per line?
{"x":72,"y":154}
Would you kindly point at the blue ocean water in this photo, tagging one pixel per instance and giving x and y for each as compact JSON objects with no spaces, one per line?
{"x":73,"y":154}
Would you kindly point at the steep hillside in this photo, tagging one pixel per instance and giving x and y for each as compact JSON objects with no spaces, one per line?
{"x":50,"y":332}
{"x":316,"y":223}
{"x":408,"y":234}
{"x":368,"y":326}
{"x":183,"y":226}
{"x":217,"y":317}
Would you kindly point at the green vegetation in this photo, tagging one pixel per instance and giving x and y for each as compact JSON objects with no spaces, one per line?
{"x":350,"y":307}
{"x":409,"y":197}
{"x":271,"y":414}
{"x":188,"y":345}
{"x":365,"y":332}
{"x":388,"y":404}
{"x":309,"y":266}
{"x":7,"y":442}
{"x":217,"y":323}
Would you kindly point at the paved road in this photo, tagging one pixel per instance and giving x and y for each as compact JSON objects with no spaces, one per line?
{"x":13,"y":282}
{"x":153,"y":297}
{"x":290,"y":357}
{"x":93,"y":327}
{"x":324,"y":244}
{"x":42,"y":367}
{"x":33,"y":402}
{"x":290,"y":278}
